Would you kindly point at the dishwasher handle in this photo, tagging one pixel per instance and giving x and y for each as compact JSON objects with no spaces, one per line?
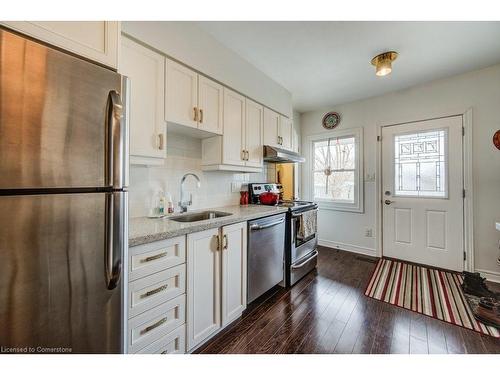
{"x":267,"y":225}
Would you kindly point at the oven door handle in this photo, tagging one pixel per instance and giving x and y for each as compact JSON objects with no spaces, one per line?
{"x":269,"y":225}
{"x":300,"y":214}
{"x":302,"y":264}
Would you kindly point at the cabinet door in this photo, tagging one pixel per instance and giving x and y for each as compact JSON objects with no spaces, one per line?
{"x":295,"y":140}
{"x":146,"y":70}
{"x":253,"y":133}
{"x":203,"y":286}
{"x":285,"y":133}
{"x":271,"y":127}
{"x":210,"y":103}
{"x":94,"y":40}
{"x":234,"y":125}
{"x":181,"y":95}
{"x":234,"y":271}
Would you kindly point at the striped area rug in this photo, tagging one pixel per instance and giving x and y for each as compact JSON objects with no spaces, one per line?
{"x":424,"y":290}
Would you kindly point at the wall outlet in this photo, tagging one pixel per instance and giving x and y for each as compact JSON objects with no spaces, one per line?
{"x":368,"y":232}
{"x":235,"y":187}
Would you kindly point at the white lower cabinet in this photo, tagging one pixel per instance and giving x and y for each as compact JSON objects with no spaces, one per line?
{"x":172,"y":343}
{"x":234,"y":271}
{"x":203,"y":286}
{"x":154,"y":324}
{"x":216,"y":280}
{"x":156,"y":297}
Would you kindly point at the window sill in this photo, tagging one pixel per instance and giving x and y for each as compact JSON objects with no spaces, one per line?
{"x":340,"y":207}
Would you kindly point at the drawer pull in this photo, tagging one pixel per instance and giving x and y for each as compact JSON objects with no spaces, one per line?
{"x":154,"y":291}
{"x":154,"y":257}
{"x":153,"y":326}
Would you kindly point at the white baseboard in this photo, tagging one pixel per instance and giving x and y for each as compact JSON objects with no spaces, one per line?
{"x":490,"y":275}
{"x":348,"y":247}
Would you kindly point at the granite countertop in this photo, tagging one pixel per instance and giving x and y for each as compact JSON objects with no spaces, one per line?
{"x":144,"y":230}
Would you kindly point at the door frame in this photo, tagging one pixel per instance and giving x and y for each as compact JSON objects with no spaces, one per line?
{"x":467,"y":171}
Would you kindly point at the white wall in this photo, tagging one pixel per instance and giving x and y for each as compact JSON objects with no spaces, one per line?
{"x":183,"y":156}
{"x":479,"y":90}
{"x":191,"y":45}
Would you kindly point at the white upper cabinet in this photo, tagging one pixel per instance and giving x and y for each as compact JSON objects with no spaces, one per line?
{"x":271,"y":128}
{"x":253,"y":133}
{"x":277,"y":130}
{"x":181,"y":105}
{"x":95,"y":40}
{"x":240,"y":148}
{"x":193,"y":100}
{"x":295,"y":140}
{"x":285,"y":133}
{"x":234,"y":129}
{"x":210,"y":105}
{"x":146,"y":70}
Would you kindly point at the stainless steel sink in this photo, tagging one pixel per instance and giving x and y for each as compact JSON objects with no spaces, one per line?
{"x":199,"y":216}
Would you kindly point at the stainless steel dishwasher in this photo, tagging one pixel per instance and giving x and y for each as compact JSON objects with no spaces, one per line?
{"x":266,"y":245}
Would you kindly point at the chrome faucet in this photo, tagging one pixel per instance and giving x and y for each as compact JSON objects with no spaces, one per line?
{"x":182,"y":204}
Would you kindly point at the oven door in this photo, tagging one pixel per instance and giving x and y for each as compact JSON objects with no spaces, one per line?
{"x":301,"y":247}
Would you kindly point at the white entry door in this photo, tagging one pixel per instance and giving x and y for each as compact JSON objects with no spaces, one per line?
{"x":422,"y":192}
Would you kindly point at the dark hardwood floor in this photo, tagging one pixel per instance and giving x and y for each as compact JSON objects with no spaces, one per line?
{"x":327,"y":312}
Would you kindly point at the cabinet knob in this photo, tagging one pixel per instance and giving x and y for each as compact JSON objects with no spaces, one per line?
{"x":161,"y":143}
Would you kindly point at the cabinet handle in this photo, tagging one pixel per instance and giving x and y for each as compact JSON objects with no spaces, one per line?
{"x":160,"y":141}
{"x":154,"y":257}
{"x":201,"y":116}
{"x":242,"y":154}
{"x":226,"y":242}
{"x":153,"y":326}
{"x":195,"y":114}
{"x":218,"y":242}
{"x":154,"y":291}
{"x":247,"y":155}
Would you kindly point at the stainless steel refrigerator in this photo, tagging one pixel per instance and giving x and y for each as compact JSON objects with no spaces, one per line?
{"x":63,"y":201}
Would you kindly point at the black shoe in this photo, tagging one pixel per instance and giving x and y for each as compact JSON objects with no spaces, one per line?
{"x":475,"y":284}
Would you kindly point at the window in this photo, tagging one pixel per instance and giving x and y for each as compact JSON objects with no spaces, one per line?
{"x":420,"y":164}
{"x":335,"y":180}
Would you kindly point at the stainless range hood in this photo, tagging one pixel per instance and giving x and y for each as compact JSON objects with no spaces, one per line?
{"x":279,"y":155}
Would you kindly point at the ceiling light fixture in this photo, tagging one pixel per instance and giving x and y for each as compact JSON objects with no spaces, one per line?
{"x":383,"y":63}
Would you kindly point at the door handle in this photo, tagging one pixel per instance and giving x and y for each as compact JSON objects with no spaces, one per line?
{"x":116,"y":143}
{"x":302,"y":264}
{"x":113,"y":246}
{"x":265,"y":226}
{"x":388,"y":202}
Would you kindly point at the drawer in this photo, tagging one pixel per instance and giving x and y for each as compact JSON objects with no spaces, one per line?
{"x":152,"y":325}
{"x":173,"y":343}
{"x":151,"y":291}
{"x":156,"y":256}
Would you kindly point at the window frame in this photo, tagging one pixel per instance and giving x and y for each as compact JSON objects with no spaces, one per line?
{"x":330,"y":204}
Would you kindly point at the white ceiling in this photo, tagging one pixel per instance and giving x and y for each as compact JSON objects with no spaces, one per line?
{"x":328,"y":63}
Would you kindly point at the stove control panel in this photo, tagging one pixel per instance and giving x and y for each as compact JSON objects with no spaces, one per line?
{"x":255,"y":189}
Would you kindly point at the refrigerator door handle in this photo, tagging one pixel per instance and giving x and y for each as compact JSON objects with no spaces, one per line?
{"x":116,"y":144}
{"x":114,"y":238}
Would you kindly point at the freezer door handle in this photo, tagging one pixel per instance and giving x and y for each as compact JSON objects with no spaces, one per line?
{"x":116,"y":143}
{"x":115,"y":203}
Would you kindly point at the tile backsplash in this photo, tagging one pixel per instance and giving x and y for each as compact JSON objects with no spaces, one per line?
{"x":184,"y":156}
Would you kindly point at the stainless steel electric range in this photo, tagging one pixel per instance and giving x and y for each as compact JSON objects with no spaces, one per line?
{"x":300,"y":255}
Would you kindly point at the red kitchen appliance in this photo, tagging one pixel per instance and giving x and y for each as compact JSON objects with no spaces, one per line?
{"x":269,"y":198}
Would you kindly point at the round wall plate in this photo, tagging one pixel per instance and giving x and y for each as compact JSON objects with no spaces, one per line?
{"x":331,"y":120}
{"x":496,"y":139}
